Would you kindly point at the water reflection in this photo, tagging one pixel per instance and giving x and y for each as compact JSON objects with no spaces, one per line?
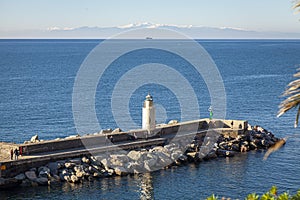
{"x":69,"y":187}
{"x":146,"y":187}
{"x":236,"y":167}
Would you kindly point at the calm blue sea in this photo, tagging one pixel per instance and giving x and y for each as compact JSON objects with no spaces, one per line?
{"x":36,"y":85}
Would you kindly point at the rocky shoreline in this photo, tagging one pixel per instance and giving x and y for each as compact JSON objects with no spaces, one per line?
{"x":122,"y":163}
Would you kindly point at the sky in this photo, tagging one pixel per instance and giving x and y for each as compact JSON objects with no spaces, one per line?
{"x":17,"y":16}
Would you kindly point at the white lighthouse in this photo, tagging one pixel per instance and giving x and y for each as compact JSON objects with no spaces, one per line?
{"x":148,"y":114}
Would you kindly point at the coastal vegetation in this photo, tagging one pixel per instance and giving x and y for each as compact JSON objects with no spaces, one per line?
{"x":272,"y":194}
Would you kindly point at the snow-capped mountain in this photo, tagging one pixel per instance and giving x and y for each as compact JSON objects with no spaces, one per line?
{"x":196,"y":32}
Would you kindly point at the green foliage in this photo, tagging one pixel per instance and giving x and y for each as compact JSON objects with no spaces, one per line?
{"x":273,"y":191}
{"x":296,"y":196}
{"x":270,"y":195}
{"x":284,"y":196}
{"x":212,"y":197}
{"x":267,"y":196}
{"x":252,"y":196}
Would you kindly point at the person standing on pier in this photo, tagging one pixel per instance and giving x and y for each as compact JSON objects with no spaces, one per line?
{"x":20,"y":151}
{"x":11,"y":154}
{"x":16,"y":152}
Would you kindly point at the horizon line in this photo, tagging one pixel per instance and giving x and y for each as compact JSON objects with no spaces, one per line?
{"x":75,"y":38}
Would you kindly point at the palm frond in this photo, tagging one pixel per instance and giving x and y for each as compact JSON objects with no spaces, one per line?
{"x":289,"y":103}
{"x":297,"y":74}
{"x":293,"y":89}
{"x":297,"y":4}
{"x":297,"y":117}
{"x":293,"y":98}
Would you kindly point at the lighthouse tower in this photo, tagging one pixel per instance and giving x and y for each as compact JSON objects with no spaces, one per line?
{"x":148,"y":114}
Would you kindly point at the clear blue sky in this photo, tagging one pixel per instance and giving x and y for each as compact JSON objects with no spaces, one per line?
{"x":259,"y":15}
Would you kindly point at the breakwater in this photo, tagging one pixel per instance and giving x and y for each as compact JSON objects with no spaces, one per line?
{"x":162,"y":150}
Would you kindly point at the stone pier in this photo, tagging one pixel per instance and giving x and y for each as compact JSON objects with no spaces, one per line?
{"x":41,"y":152}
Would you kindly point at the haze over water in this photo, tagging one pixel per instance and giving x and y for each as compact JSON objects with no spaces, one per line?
{"x":36,"y":84}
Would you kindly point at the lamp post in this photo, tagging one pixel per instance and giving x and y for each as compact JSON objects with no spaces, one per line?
{"x":210,"y":112}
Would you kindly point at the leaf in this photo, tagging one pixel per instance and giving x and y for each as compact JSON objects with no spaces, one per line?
{"x":284,"y":196}
{"x":267,"y":196}
{"x":212,"y":197}
{"x":252,"y":196}
{"x":273,"y":190}
{"x":296,"y":196}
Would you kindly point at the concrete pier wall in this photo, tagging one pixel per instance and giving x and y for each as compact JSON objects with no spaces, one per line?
{"x":41,"y":153}
{"x":73,"y":143}
{"x":12,"y":168}
{"x":232,"y":127}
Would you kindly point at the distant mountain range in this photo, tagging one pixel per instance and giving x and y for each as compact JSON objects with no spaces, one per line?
{"x":196,"y":32}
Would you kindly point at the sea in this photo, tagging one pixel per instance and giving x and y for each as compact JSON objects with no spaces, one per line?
{"x":37,"y":79}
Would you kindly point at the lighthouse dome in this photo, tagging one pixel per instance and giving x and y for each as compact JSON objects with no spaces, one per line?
{"x":149,"y":97}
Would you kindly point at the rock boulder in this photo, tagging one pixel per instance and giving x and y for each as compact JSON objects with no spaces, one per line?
{"x":134,"y":155}
{"x":42,"y":181}
{"x":20,"y":177}
{"x":53,"y":166}
{"x":30,"y":175}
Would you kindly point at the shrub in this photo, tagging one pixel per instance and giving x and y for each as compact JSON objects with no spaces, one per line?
{"x":270,"y":195}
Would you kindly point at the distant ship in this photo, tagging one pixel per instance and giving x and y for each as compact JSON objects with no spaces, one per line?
{"x":149,"y":38}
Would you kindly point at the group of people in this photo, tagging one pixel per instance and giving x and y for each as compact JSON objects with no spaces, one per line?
{"x":15,"y":153}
